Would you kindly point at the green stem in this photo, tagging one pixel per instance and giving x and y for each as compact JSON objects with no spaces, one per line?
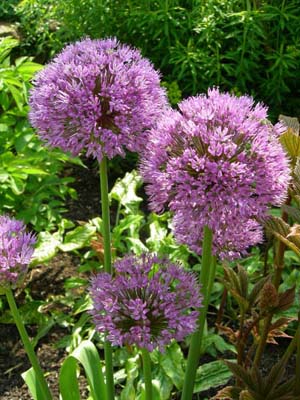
{"x":107,"y":268}
{"x":147,"y":373}
{"x":105,"y":215}
{"x":297,"y":381}
{"x":207,"y":276}
{"x":28,"y":346}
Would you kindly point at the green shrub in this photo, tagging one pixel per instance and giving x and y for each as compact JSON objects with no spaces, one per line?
{"x":246,"y":46}
{"x":30,"y":182}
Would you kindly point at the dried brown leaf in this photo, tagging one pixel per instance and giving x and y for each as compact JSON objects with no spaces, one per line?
{"x":228,"y":393}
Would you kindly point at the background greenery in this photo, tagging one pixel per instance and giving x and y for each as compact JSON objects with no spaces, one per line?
{"x":250,"y":46}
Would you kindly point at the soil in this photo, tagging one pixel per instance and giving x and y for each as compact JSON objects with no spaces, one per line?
{"x":47,"y":280}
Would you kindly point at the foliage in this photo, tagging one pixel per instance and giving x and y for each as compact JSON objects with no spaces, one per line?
{"x":31,"y":185}
{"x":7,"y":10}
{"x":247,"y":47}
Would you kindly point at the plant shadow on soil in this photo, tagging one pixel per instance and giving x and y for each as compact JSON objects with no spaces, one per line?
{"x":47,"y":280}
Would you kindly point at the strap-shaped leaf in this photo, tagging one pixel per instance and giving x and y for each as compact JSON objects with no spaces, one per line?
{"x":87,"y":355}
{"x":69,"y":388}
{"x":33,"y":384}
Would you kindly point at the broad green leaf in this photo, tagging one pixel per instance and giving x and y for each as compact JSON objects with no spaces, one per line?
{"x":137,"y":246}
{"x":164,"y":385}
{"x":210,"y":375}
{"x":126,"y":223}
{"x":6,"y":46}
{"x":157,"y":234}
{"x":87,"y":355}
{"x":155,"y":391}
{"x":171,"y":362}
{"x":218,"y":342}
{"x":124,"y":191}
{"x":77,"y":238}
{"x":128,"y":393}
{"x":33,"y":384}
{"x":28,"y":69}
{"x":46,"y":247}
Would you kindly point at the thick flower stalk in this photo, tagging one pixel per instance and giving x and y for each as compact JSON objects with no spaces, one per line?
{"x":149,"y":302}
{"x":97,"y":96}
{"x":217,"y":162}
{"x":16,"y":249}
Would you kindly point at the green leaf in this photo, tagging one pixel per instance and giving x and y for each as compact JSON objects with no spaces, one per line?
{"x":218,"y":342}
{"x":68,"y":384}
{"x":164,"y":385}
{"x":124,"y":191}
{"x":17,"y":185}
{"x":33,"y":384}
{"x":28,"y":69}
{"x":137,"y":246}
{"x":155,"y":391}
{"x":128,"y":393}
{"x":78,"y":238}
{"x":46,"y":247}
{"x":210,"y":375}
{"x":16,"y":94}
{"x":34,"y":171}
{"x":171,"y":362}
{"x":87,"y":355}
{"x":158,"y":232}
{"x":4,"y":176}
{"x":6,"y":46}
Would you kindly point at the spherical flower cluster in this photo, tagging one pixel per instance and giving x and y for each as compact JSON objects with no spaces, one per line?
{"x":16,"y":249}
{"x":99,"y":96}
{"x":149,"y":302}
{"x":216,"y":162}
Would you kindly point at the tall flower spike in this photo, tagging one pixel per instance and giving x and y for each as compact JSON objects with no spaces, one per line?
{"x":148,"y":303}
{"x":98,"y":96}
{"x":216,"y":162}
{"x":16,"y":249}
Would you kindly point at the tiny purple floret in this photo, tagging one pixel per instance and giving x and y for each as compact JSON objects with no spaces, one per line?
{"x":149,"y":302}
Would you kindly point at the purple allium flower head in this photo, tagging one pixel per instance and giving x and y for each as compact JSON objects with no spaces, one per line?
{"x":216,"y":162}
{"x":16,"y":249}
{"x":149,"y":302}
{"x":99,"y":96}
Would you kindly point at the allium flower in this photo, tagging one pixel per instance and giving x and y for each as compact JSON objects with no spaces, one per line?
{"x":149,"y":302}
{"x":16,"y":249}
{"x":99,"y":96}
{"x":216,"y":162}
